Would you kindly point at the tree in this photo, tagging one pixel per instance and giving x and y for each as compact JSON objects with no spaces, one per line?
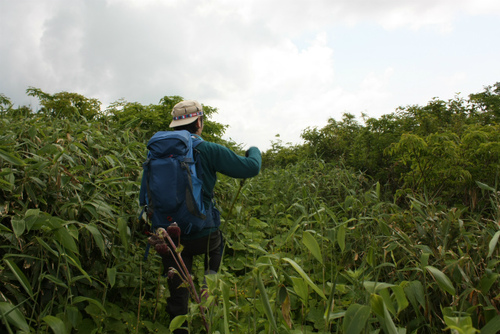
{"x":66,"y":105}
{"x":488,"y":103}
{"x":157,"y":117}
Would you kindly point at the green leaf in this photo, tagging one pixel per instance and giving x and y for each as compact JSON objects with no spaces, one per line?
{"x":401,"y":299}
{"x":65,"y":239}
{"x":389,"y":323}
{"x":443,"y":281}
{"x":355,"y":318}
{"x":20,"y":276}
{"x":111,"y":276}
{"x":493,"y":243}
{"x":18,"y":226}
{"x":96,"y":234}
{"x":5,"y":185}
{"x":56,"y":324}
{"x":341,"y":236}
{"x":492,"y":326}
{"x":77,"y":264}
{"x":265,"y":300}
{"x":377,"y":304}
{"x":54,"y":280}
{"x":14,"y":316}
{"x":375,"y":287}
{"x":72,"y":314}
{"x":177,"y":322}
{"x":460,"y":324}
{"x":46,"y":246}
{"x":487,"y":281}
{"x":305,"y":277}
{"x":484,"y":186}
{"x":415,"y":292}
{"x":388,"y":303}
{"x":300,"y":288}
{"x":313,"y":246}
{"x":11,"y":158}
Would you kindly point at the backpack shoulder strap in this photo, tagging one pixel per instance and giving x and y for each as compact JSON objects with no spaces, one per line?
{"x":197,"y":140}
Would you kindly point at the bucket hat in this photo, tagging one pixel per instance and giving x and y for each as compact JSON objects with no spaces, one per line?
{"x":186,"y":112}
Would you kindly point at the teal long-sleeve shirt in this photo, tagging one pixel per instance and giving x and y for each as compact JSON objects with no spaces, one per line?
{"x":215,"y":159}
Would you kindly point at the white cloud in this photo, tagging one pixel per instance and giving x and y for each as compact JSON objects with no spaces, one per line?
{"x":270,"y":66}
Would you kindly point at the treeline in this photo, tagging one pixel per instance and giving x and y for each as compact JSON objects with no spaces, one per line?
{"x":379,"y":226}
{"x":446,"y":150}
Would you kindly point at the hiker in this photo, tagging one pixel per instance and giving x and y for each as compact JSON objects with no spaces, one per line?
{"x":188,"y":115}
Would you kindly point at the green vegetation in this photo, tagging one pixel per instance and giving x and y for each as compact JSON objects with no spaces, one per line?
{"x":390,"y":226}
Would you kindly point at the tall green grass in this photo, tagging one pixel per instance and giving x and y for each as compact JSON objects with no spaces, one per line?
{"x":311,"y":247}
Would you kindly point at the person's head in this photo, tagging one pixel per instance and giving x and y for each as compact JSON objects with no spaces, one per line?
{"x":187,"y":115}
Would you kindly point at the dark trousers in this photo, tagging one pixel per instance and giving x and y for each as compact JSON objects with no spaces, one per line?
{"x":209,"y":246}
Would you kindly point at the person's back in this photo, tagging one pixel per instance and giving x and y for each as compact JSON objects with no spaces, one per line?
{"x":215,"y":158}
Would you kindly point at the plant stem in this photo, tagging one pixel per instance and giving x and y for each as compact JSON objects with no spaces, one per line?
{"x":182,"y":266}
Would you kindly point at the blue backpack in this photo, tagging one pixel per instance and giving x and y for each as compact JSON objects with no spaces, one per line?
{"x":171,"y":187}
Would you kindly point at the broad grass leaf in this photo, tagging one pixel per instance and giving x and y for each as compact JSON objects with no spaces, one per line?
{"x":65,"y":239}
{"x":265,"y":300}
{"x":96,"y":234}
{"x":487,"y":281}
{"x":75,"y":262}
{"x":305,"y":277}
{"x":492,"y":326}
{"x":54,"y":280}
{"x":484,"y":186}
{"x":460,"y":324}
{"x":389,"y":305}
{"x":72,"y":314}
{"x":313,"y":246}
{"x":14,"y":316}
{"x":11,"y":158}
{"x":355,"y":318}
{"x":389,"y":323}
{"x":177,"y":322}
{"x":46,"y":246}
{"x":415,"y":292}
{"x":300,"y":288}
{"x":5,"y":185}
{"x":341,"y":236}
{"x":336,"y":315}
{"x":493,"y":243}
{"x":443,"y":281}
{"x":377,"y":304}
{"x":375,"y":287}
{"x":111,"y":276}
{"x":20,"y":276}
{"x":257,"y":247}
{"x":4,"y":228}
{"x":401,"y":299}
{"x":56,"y":324}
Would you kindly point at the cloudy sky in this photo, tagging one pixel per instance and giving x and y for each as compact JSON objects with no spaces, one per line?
{"x":269,"y":66}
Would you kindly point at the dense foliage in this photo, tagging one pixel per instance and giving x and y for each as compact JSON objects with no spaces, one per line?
{"x":391,"y":226}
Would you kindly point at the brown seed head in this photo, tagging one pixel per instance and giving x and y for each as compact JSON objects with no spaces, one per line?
{"x":174,"y":231}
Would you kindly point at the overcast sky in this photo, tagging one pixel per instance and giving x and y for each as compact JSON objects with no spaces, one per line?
{"x":269,"y":66}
